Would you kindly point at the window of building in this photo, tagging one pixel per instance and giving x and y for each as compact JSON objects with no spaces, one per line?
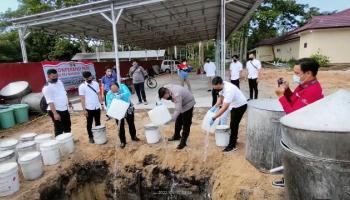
{"x":305,"y":45}
{"x":278,"y":50}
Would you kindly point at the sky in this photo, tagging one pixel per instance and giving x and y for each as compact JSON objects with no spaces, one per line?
{"x":324,"y":5}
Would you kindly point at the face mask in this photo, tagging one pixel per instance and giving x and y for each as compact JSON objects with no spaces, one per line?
{"x":296,"y":79}
{"x":234,"y":60}
{"x":170,"y":98}
{"x":250,"y":58}
{"x":89,"y":81}
{"x":53,"y":80}
{"x":218,"y":90}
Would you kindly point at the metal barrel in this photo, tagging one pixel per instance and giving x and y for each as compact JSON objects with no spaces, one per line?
{"x":316,"y":155}
{"x":36,"y":102}
{"x":311,"y":177}
{"x":263,"y":136}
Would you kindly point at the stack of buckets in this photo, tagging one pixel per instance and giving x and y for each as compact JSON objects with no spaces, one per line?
{"x":31,"y":152}
{"x":9,"y":116}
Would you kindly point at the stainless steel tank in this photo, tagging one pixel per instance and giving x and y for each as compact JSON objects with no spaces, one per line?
{"x":316,"y":143}
{"x":263,"y":136}
{"x":15,"y":90}
{"x":36,"y":101}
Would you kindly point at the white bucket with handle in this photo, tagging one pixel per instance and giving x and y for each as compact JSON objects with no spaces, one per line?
{"x":222,"y":135}
{"x":117,"y":109}
{"x":27,"y":137}
{"x":9,"y":180}
{"x":100,"y":135}
{"x":31,"y":165}
{"x":50,"y":152}
{"x":206,"y":122}
{"x":8,"y":144}
{"x":7,"y":156}
{"x":41,"y":139}
{"x":25,"y":147}
{"x":152,"y":133}
{"x":159,"y":115}
{"x":65,"y":143}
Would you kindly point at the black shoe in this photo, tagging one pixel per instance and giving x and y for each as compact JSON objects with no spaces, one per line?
{"x":230,"y":148}
{"x":209,"y":90}
{"x":122,"y":145}
{"x":174,"y":138}
{"x":181,"y":146}
{"x":91,"y":140}
{"x":135,"y":139}
{"x":278,"y":183}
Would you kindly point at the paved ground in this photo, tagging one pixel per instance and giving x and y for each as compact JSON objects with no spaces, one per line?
{"x":199,"y":86}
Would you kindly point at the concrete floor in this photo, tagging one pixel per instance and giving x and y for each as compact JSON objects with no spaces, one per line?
{"x":199,"y":84}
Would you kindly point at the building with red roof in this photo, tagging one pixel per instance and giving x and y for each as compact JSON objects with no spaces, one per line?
{"x":329,"y":35}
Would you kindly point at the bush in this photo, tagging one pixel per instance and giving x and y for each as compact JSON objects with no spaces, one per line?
{"x":291,"y":63}
{"x":322,"y":60}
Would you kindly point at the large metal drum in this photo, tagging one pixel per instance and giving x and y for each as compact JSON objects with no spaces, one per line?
{"x":36,"y":101}
{"x":263,"y":148}
{"x":15,"y":90}
{"x":316,"y":143}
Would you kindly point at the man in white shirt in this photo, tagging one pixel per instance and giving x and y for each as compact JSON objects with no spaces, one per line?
{"x":91,"y":102}
{"x":209,"y":68}
{"x":57,"y":100}
{"x":236,"y":68}
{"x":232,"y":98}
{"x":253,"y":67}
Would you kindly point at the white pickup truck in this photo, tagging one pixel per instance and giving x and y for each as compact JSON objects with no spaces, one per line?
{"x":169,"y":65}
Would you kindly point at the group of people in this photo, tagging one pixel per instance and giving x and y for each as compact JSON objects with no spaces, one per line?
{"x":229,"y":97}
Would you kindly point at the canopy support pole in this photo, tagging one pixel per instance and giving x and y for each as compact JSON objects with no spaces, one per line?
{"x":114,"y":20}
{"x":223,"y":39}
{"x":22,"y":37}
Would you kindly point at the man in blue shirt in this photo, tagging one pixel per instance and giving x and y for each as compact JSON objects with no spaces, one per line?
{"x":122,"y":92}
{"x":107,"y":80}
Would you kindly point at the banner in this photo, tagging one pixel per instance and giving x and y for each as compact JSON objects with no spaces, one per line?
{"x":70,"y":73}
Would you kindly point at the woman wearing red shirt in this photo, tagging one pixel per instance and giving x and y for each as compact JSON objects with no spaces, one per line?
{"x":183,"y":74}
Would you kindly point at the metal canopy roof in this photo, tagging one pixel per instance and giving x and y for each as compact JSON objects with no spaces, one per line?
{"x":149,"y":24}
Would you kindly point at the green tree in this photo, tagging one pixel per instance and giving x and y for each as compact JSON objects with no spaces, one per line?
{"x":40,"y":45}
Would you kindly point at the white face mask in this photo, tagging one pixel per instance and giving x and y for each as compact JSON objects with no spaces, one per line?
{"x":296,"y":79}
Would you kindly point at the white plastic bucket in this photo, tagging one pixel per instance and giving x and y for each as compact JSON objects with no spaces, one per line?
{"x":206,"y":122}
{"x":27,"y":137}
{"x":99,"y":133}
{"x":31,"y":165}
{"x":159,"y":115}
{"x":50,"y":152}
{"x":25,"y":147}
{"x":222,"y":135}
{"x":42,"y":138}
{"x":9,"y":180}
{"x":65,"y":143}
{"x":117,"y":109}
{"x":7,"y":156}
{"x":152,"y":133}
{"x":8,"y":144}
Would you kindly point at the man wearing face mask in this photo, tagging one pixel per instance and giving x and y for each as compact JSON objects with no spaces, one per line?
{"x":57,"y":100}
{"x":209,"y":68}
{"x":308,"y":91}
{"x":91,"y":102}
{"x":184,"y":104}
{"x":138,"y":75}
{"x":236,"y":68}
{"x":253,"y":68}
{"x":231,"y":98}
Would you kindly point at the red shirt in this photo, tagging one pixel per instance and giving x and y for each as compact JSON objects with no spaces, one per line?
{"x":182,"y":66}
{"x":303,"y":95}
